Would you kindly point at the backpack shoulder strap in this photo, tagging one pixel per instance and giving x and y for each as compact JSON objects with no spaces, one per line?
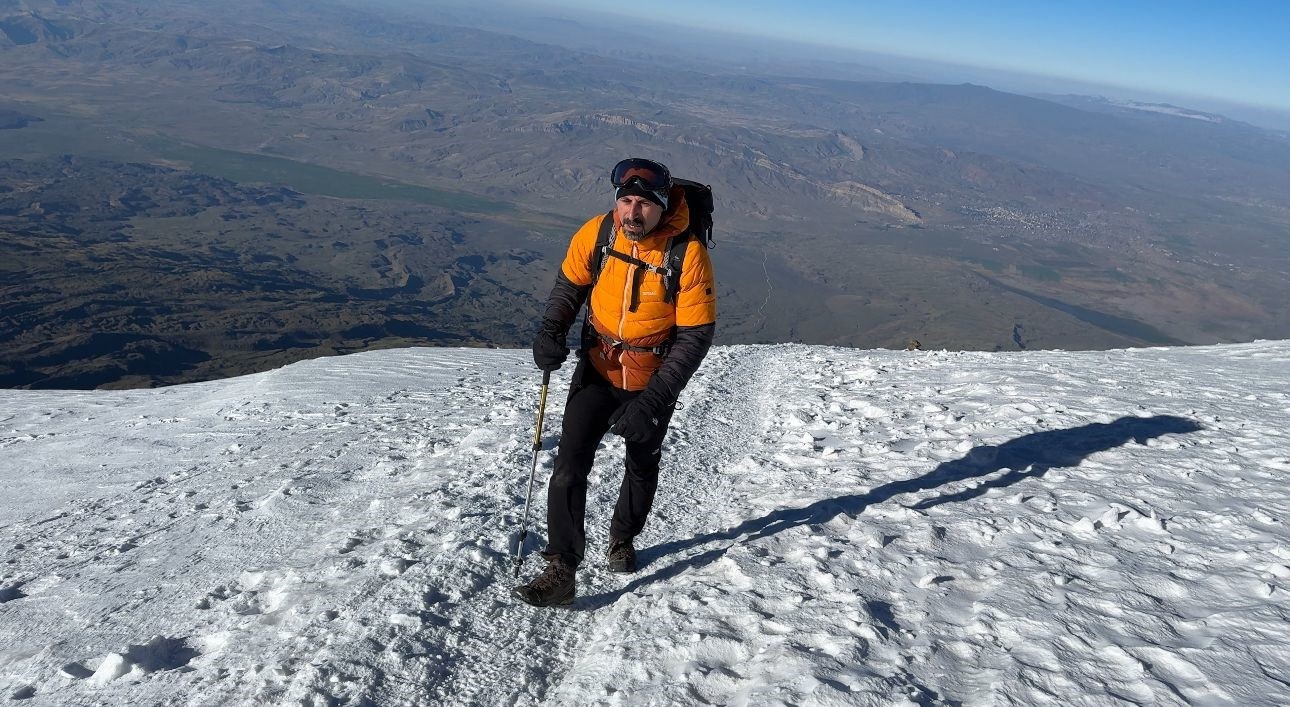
{"x":675,"y":259}
{"x":671,"y":266}
{"x":603,"y":236}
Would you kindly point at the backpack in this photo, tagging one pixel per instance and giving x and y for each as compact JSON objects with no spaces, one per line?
{"x":699,"y":198}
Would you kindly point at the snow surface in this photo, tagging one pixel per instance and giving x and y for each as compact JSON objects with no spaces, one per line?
{"x":834,"y":527}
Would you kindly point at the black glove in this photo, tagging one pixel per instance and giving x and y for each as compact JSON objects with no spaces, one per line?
{"x":637,"y":420}
{"x":549,"y":350}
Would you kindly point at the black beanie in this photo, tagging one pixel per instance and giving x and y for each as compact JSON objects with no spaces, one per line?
{"x":634,"y":188}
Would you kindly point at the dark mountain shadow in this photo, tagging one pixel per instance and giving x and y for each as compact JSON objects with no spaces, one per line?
{"x":1029,"y":456}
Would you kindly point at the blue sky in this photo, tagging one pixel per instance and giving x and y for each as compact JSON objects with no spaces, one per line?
{"x":1233,"y":50}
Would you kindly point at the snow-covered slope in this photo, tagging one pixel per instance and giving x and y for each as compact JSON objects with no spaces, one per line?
{"x":834,"y":527}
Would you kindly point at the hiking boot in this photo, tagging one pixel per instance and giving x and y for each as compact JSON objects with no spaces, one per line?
{"x":554,"y":587}
{"x":622,"y":556}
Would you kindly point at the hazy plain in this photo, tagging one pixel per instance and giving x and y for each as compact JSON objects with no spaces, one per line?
{"x":192,"y":191}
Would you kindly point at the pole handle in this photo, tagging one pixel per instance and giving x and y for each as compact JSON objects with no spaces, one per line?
{"x":537,"y":433}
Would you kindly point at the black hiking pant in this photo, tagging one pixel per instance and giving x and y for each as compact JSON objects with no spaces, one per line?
{"x":586,"y":420}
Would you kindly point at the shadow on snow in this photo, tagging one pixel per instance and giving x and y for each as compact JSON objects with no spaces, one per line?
{"x":1029,"y":456}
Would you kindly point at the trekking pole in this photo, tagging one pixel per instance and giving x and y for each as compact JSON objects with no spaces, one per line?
{"x":537,"y":446}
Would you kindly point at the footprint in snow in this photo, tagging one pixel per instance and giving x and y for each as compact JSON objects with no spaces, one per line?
{"x":159,"y":654}
{"x":11,"y":592}
{"x":75,"y":670}
{"x":150,"y":483}
{"x":395,"y":566}
{"x":933,"y":580}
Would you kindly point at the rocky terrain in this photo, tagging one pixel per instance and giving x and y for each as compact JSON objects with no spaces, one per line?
{"x":193,"y":191}
{"x":126,"y":274}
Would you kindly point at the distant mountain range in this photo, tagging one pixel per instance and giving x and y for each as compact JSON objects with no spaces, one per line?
{"x":240,"y":137}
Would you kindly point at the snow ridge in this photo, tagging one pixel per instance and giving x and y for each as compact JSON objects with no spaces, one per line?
{"x":832,"y":527}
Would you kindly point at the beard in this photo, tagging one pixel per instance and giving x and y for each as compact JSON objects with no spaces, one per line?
{"x":634,"y":229}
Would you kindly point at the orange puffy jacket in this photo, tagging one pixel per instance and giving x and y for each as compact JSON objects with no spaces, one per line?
{"x":654,"y":320}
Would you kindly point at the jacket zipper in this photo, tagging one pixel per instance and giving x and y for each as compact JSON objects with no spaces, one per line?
{"x":622,"y":312}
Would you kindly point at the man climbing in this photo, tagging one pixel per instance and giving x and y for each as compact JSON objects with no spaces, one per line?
{"x":651,"y":318}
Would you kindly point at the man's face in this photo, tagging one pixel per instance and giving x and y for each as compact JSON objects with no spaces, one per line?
{"x":638,"y":215}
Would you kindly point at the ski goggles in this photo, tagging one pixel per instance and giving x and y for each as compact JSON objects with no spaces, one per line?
{"x":650,"y":175}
